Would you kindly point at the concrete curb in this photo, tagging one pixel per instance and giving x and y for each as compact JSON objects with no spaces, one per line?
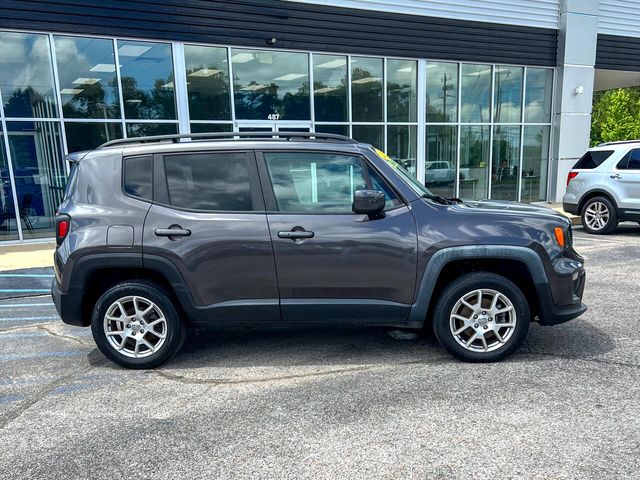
{"x":28,"y":255}
{"x":575,"y":219}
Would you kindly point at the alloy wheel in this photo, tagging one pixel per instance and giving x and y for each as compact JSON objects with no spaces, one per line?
{"x":135,"y":327}
{"x":482,"y":320}
{"x":596,"y":216}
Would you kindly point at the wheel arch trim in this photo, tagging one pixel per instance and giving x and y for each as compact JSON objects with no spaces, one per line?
{"x":440,"y":259}
{"x":596,"y":192}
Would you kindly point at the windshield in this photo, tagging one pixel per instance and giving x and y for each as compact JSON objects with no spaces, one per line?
{"x":409,"y":179}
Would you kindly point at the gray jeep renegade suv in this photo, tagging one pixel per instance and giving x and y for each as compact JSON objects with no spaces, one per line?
{"x":158,"y":234}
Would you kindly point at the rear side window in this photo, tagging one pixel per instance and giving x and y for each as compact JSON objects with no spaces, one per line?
{"x":631,"y":161}
{"x":209,"y":181}
{"x":593,"y":159}
{"x":137,"y":177}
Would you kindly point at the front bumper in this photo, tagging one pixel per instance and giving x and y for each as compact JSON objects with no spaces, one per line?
{"x":561,"y":298}
{"x":68,"y":305}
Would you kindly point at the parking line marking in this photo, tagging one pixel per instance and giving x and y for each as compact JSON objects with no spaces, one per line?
{"x":27,"y":319}
{"x":32,"y":275}
{"x":24,"y":290}
{"x":11,"y":398}
{"x":4,"y":336}
{"x":15,"y":305}
{"x":22,"y":356}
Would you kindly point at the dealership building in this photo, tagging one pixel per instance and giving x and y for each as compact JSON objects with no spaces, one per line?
{"x":477,"y":98}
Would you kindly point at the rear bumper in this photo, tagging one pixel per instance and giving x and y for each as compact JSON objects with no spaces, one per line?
{"x":571,"y":208}
{"x":69,"y":305}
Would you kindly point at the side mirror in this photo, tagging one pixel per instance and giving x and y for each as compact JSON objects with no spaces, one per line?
{"x":368,"y":202}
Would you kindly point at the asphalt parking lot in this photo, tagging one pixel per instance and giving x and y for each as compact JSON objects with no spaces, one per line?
{"x":327,"y":403}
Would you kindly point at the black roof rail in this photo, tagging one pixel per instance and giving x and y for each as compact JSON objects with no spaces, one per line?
{"x":619,"y":142}
{"x":278,"y":136}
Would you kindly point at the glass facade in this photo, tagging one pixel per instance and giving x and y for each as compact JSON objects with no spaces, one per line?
{"x":494,"y":123}
{"x":467,"y":130}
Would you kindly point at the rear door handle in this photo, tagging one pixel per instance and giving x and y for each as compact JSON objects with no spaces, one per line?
{"x":617,"y":176}
{"x":172,"y":231}
{"x":294,"y":234}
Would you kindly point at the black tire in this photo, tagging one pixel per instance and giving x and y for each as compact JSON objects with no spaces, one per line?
{"x":174,"y":332}
{"x":612,"y":219}
{"x":461,"y":287}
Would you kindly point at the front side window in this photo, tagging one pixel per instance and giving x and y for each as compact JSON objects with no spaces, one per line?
{"x":319,"y":182}
{"x":631,"y":161}
{"x":209,"y":181}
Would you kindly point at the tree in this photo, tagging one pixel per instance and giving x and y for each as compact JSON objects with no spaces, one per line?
{"x":615,"y":116}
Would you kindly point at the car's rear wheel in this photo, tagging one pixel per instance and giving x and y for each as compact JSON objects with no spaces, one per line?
{"x":599,"y":216}
{"x":481,"y":317}
{"x":136,"y":325}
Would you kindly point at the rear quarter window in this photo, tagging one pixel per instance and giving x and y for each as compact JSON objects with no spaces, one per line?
{"x":137,"y":174}
{"x":592,"y":159}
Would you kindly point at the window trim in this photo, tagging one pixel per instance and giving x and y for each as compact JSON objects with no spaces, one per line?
{"x":269,"y":195}
{"x":161,"y":187}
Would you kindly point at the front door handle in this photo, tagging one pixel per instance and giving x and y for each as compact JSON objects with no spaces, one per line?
{"x":172,"y":231}
{"x":616,"y":176}
{"x":295,"y":234}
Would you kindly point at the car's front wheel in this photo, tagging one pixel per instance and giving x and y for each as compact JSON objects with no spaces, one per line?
{"x":481,"y":317}
{"x":599,"y":216}
{"x":136,"y":325}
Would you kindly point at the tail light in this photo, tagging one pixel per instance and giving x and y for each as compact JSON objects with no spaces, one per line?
{"x":63,"y":222}
{"x":571,"y":176}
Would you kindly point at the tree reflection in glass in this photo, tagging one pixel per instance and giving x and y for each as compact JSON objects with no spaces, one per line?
{"x":26,"y":78}
{"x":402,"y":90}
{"x":330,"y":88}
{"x":271,"y":85}
{"x":366,"y":89}
{"x":207,"y":82}
{"x":87,"y":77}
{"x":147,"y":80}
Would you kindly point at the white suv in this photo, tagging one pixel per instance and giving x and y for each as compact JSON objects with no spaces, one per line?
{"x":603,"y":187}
